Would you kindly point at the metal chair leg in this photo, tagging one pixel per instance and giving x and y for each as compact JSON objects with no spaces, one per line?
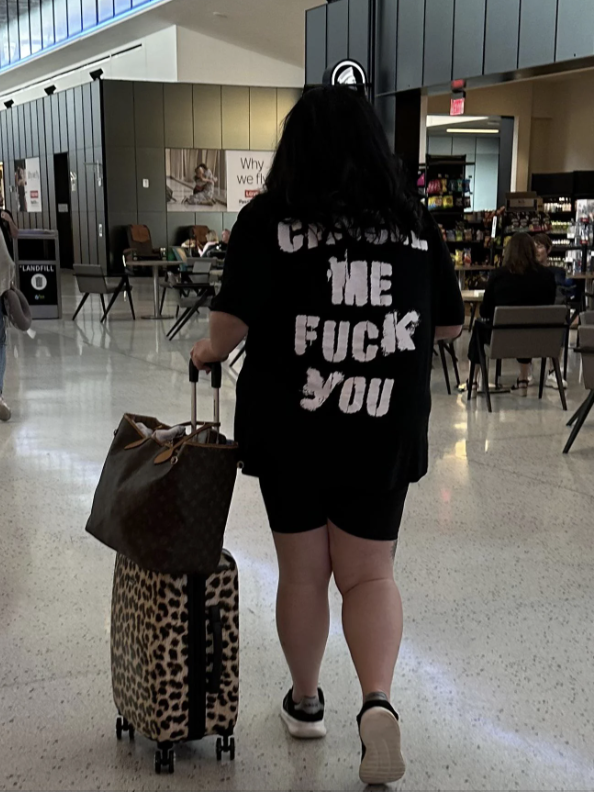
{"x":498,"y":370}
{"x":173,"y":329}
{"x":581,"y":414}
{"x":128,"y":290}
{"x":184,"y":320}
{"x":485,"y":370}
{"x":102,"y":298}
{"x":578,"y":412}
{"x":557,"y":367}
{"x":114,"y":297}
{"x":80,"y":305}
{"x":471,"y":374}
{"x":163,"y":292}
{"x":543,"y":374}
{"x":452,"y":350}
{"x":444,"y":364}
{"x":472,"y":316}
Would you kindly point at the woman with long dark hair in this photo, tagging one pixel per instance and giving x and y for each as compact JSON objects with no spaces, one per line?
{"x":521,"y":281}
{"x":344,"y":283}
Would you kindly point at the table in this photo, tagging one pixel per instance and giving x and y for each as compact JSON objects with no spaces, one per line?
{"x":472,"y":268}
{"x":156,"y":265}
{"x":474,"y":298}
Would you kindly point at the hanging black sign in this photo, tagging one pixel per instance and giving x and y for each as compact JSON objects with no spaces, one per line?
{"x":349,"y":73}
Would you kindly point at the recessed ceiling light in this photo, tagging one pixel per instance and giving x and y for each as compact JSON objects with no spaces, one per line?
{"x":468,"y":131}
{"x":219,"y":14}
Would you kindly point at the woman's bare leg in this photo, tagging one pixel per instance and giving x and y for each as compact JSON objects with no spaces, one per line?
{"x":302,"y":610}
{"x":372,"y":608}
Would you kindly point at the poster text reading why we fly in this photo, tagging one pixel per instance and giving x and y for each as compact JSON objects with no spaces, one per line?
{"x":246,"y":175}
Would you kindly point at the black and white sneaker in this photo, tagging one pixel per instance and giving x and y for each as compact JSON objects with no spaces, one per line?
{"x":304,"y":720}
{"x":379,"y":729}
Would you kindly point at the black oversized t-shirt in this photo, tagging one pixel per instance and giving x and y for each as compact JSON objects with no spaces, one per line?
{"x":341,"y":329}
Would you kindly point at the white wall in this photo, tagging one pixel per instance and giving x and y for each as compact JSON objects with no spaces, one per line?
{"x":202,"y":59}
{"x":174,"y":54}
{"x":153,"y":58}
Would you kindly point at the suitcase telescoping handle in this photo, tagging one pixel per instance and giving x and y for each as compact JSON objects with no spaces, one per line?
{"x":216,"y":376}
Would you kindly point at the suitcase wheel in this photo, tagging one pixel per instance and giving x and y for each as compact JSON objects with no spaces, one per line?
{"x":164,"y":760}
{"x":225,"y":745}
{"x":122,"y":725}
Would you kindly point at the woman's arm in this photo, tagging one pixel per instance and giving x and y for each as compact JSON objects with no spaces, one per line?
{"x":226,"y":332}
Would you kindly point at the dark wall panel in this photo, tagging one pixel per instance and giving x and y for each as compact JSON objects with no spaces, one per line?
{"x":538,"y":25}
{"x":178,"y":224}
{"x":179,"y":131}
{"x":502,"y":35}
{"x":87,"y":124}
{"x":26,"y":129}
{"x":315,"y":57}
{"x":150,"y":165}
{"x":359,"y":19}
{"x":157,"y":222}
{"x":469,"y":38}
{"x":76,"y":237}
{"x":79,"y":110}
{"x":92,"y":231}
{"x":411,"y":36}
{"x":118,"y":113}
{"x":386,"y":24}
{"x":34,"y":128}
{"x":120,"y":173}
{"x":118,"y":239}
{"x":385,"y":107}
{"x":337,"y":32}
{"x":575,"y":29}
{"x":439,"y":31}
{"x":97,"y":111}
{"x":81,"y":181}
{"x":208,"y":116}
{"x":99,"y":179}
{"x":84,"y":238}
{"x":149,"y":114}
{"x":102,"y":239}
{"x":21,"y":129}
{"x":55,"y":115}
{"x":91,"y":180}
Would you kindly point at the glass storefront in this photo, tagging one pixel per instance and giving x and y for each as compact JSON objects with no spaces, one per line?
{"x":30,"y":26}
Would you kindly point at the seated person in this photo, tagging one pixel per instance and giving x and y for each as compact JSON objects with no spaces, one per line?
{"x":212,"y":241}
{"x":564,"y":286}
{"x":521,"y":281}
{"x":218,"y":250}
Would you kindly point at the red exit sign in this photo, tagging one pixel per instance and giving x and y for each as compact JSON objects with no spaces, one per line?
{"x":457,"y":105}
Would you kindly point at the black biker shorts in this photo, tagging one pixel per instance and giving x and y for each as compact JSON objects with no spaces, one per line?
{"x":295,"y":506}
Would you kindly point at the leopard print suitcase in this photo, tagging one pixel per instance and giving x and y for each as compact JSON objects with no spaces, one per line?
{"x":175,"y":656}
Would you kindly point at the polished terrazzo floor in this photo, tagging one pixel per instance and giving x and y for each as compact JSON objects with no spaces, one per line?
{"x":495,"y":562}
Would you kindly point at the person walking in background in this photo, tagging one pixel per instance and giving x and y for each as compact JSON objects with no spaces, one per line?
{"x":521,"y":281}
{"x":9,"y":232}
{"x":344,"y":283}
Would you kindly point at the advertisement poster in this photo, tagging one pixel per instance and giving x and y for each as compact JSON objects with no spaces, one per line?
{"x":27,"y":179}
{"x":246,"y":176}
{"x":211,"y":180}
{"x":196,"y":180}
